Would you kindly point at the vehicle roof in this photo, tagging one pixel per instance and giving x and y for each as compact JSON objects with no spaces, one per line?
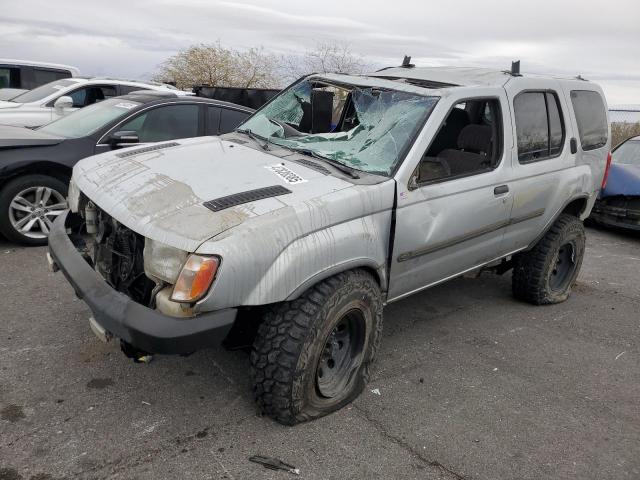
{"x":29,"y":63}
{"x":122,"y":81}
{"x":159,"y":96}
{"x":444,"y":77}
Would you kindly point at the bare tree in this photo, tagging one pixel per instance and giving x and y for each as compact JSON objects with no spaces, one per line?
{"x":213,"y":64}
{"x":326,"y":57}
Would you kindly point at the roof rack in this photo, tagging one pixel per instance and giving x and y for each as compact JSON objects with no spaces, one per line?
{"x":515,"y":69}
{"x":406,"y":62}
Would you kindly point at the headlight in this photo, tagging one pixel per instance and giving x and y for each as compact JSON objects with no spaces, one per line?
{"x":195,"y":278}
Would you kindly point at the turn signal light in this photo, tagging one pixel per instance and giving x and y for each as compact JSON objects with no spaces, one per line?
{"x":195,"y":278}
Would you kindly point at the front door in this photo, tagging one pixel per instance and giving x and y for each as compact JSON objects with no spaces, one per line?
{"x":454,"y":217}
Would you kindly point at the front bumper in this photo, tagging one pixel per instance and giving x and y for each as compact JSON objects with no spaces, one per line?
{"x":142,"y":327}
{"x":615,"y":216}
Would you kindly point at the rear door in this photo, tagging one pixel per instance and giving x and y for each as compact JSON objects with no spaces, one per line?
{"x":542,"y":158}
{"x":452,"y":221}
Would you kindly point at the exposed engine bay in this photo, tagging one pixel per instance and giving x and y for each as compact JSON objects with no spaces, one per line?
{"x":117,"y":254}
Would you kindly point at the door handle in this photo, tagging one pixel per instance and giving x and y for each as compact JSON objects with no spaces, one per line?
{"x":501,"y":190}
{"x":573,"y":144}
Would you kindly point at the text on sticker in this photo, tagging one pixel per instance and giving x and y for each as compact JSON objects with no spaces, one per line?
{"x":286,"y":174}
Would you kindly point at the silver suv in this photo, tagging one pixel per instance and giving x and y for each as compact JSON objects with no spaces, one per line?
{"x":341,"y":195}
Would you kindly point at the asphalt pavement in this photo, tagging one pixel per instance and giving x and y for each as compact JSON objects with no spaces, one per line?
{"x":469,"y":384}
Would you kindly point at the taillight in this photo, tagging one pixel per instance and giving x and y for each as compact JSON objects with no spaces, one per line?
{"x":606,"y":171}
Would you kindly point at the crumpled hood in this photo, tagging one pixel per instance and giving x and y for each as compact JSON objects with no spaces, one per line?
{"x":160,"y":193}
{"x":623,"y":180}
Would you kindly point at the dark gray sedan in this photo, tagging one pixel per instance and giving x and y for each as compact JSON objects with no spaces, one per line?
{"x":35,"y":165}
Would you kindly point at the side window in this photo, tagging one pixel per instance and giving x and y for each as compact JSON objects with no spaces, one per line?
{"x":213,"y":120}
{"x":90,"y":95}
{"x":466,"y":144}
{"x":165,"y":123}
{"x":230,"y":119}
{"x":42,"y":76}
{"x":9,"y":77}
{"x":539,"y":126}
{"x":591,"y":118}
{"x":79,"y":97}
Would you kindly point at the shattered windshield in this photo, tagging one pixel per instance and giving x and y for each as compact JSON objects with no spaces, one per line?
{"x":364,"y":128}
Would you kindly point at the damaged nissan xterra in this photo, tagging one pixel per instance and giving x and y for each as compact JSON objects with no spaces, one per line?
{"x":341,"y":195}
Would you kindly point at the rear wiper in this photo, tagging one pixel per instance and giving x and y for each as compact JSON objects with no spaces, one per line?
{"x":256,"y":138}
{"x":335,"y":164}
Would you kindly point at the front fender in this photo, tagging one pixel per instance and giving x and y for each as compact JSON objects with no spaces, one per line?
{"x":260,"y":270}
{"x":360,"y":243}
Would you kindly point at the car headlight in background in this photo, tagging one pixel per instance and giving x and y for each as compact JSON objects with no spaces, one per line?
{"x":195,"y":278}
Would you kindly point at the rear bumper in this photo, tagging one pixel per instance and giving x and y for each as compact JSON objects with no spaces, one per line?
{"x":616,"y":216}
{"x":142,"y":327}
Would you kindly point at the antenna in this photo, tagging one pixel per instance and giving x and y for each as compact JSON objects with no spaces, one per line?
{"x":406,"y":62}
{"x":515,"y":69}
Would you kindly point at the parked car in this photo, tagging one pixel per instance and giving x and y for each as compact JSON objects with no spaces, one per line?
{"x":26,"y":75}
{"x":57,"y":99}
{"x":619,"y":202}
{"x":342,"y":194}
{"x":35,"y":165}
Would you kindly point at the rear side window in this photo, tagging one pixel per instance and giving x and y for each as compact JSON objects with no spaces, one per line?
{"x":230,"y":119}
{"x":591,"y":118}
{"x":539,"y":126}
{"x":42,"y":76}
{"x":9,"y":77}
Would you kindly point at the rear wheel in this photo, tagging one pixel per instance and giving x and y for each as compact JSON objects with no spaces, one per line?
{"x":546,"y":273}
{"x":312,"y":355}
{"x":28,"y":207}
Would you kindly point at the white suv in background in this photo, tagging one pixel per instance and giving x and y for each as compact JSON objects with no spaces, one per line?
{"x":61,"y":97}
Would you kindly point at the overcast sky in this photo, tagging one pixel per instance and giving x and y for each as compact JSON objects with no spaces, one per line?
{"x":129,"y":39}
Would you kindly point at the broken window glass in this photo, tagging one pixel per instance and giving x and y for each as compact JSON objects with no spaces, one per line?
{"x":365,"y":128}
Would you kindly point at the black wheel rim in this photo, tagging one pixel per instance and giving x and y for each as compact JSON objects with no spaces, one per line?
{"x":563,"y":268}
{"x":341,"y":355}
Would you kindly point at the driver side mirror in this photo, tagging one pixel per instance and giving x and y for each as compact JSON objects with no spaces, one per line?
{"x":123,"y":138}
{"x":62,"y":103}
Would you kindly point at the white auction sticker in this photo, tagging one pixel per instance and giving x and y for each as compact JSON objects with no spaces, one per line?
{"x":126,"y":105}
{"x":286,"y":174}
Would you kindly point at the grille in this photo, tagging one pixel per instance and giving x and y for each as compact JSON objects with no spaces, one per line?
{"x":150,"y":148}
{"x":245,"y":197}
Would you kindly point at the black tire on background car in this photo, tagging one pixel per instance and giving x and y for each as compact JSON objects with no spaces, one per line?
{"x":28,"y":206}
{"x":546,"y":273}
{"x":312,"y":355}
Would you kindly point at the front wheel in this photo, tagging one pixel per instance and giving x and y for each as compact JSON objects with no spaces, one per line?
{"x":312,"y":355}
{"x":546,"y":273}
{"x":28,"y":206}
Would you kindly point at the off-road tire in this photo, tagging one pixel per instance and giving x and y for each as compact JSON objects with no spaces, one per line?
{"x":291,"y":341}
{"x":10,"y":190}
{"x":532,"y":272}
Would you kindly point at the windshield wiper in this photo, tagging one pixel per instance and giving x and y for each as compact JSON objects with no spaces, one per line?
{"x":335,"y":164}
{"x":261,"y":141}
